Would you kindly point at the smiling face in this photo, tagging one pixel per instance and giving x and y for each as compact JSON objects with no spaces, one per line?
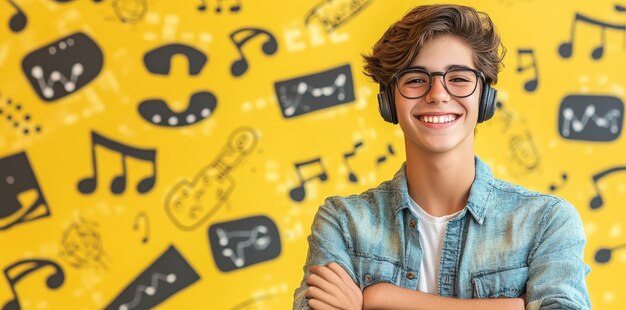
{"x":439,"y":122}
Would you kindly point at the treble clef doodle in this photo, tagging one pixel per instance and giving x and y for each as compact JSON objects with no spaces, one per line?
{"x":16,"y":272}
{"x":270,"y":46}
{"x":597,"y":201}
{"x":191,"y":203}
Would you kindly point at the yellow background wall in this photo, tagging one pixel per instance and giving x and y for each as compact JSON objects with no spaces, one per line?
{"x":238,"y":156}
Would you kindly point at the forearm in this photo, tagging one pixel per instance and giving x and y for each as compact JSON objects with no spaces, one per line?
{"x":388,"y":296}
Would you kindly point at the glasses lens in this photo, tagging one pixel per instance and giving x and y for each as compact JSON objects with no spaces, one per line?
{"x":460,"y":82}
{"x":413,"y":84}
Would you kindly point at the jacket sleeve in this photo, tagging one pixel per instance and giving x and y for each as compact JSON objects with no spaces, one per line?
{"x":557,"y":271}
{"x":327,"y":244}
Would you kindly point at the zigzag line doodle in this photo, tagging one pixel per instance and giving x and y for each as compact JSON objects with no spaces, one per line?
{"x":258,"y":243}
{"x":578,"y":125}
{"x":150,"y":290}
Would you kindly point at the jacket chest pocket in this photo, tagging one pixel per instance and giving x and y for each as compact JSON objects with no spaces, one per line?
{"x":374,"y":270}
{"x":503,"y":283}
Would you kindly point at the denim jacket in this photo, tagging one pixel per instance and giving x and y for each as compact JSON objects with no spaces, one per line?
{"x":507,"y":241}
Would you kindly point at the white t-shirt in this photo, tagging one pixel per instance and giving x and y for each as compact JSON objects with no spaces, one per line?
{"x":432,"y":231}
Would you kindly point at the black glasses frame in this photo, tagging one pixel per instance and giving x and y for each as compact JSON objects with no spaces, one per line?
{"x":479,"y":74}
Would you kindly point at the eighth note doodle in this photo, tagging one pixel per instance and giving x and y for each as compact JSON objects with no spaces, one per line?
{"x":146,"y":223}
{"x":118,"y":185}
{"x":19,"y":20}
{"x":382,"y":158}
{"x":235,"y":7}
{"x":351,"y":175}
{"x":298,"y":193}
{"x":17,"y":271}
{"x":555,"y":186}
{"x":603,"y":255}
{"x":240,"y":37}
{"x":530,"y":85}
{"x":566,"y":48}
{"x":597,"y":202}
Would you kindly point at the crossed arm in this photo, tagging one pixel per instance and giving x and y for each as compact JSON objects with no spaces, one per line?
{"x":330,"y":287}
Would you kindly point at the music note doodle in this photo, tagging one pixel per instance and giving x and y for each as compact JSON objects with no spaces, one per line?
{"x":566,"y":48}
{"x":16,"y":272}
{"x":381,"y":159}
{"x":603,"y":255}
{"x":597,"y":201}
{"x":530,"y":85}
{"x":202,"y":6}
{"x":298,"y":193}
{"x":234,"y":8}
{"x":351,"y":175}
{"x":140,"y":216}
{"x":554,"y":186}
{"x":18,"y":21}
{"x":219,"y":8}
{"x":270,"y":46}
{"x":118,"y":185}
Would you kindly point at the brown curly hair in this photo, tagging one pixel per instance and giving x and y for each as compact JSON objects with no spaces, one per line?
{"x":397,"y":48}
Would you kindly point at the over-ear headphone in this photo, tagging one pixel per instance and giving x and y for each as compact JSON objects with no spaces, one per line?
{"x":486,"y":107}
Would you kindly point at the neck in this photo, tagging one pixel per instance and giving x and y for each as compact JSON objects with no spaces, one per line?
{"x":440,"y":183}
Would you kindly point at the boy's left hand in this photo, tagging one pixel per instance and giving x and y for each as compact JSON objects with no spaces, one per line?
{"x":330,"y":287}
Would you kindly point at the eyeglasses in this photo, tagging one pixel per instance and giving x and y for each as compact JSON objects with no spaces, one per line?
{"x":414,"y":83}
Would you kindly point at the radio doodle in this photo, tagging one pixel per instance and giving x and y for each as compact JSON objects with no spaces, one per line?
{"x":63,"y":67}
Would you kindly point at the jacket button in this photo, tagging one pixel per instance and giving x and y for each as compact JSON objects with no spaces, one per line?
{"x":367,"y":278}
{"x":410,"y":275}
{"x":412,"y":223}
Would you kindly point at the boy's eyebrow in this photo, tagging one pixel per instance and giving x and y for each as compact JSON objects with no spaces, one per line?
{"x":458,"y":67}
{"x":453,"y":66}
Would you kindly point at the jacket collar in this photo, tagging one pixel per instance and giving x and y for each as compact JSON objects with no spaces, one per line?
{"x":476,"y":203}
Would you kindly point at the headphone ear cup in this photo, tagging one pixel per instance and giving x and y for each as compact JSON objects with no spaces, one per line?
{"x":386,"y":106}
{"x":487,"y":103}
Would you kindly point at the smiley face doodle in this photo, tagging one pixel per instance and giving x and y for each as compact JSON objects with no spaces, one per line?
{"x":191,"y":203}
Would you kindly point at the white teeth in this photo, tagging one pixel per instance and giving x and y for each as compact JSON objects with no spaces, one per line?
{"x":438,"y":119}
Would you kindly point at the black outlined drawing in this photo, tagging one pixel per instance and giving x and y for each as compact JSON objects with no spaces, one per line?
{"x":191,"y":203}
